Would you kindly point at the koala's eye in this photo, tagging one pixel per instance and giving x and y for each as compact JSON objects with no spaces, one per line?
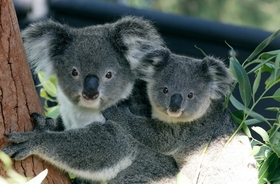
{"x":165,"y":90}
{"x":190,"y":95}
{"x":108,"y":75}
{"x":75,"y":72}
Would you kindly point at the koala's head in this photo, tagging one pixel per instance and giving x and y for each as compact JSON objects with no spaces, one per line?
{"x":92,"y":64}
{"x":181,"y":88}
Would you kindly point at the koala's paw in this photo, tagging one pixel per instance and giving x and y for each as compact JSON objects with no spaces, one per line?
{"x":42,"y":123}
{"x":21,"y":147}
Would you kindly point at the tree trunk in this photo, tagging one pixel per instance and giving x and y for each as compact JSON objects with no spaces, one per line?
{"x":18,"y":97}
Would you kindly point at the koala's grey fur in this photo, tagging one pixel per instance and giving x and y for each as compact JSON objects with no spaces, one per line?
{"x":194,"y":121}
{"x":95,"y":50}
{"x":91,"y":147}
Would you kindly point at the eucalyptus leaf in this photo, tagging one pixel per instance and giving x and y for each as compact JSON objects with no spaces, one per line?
{"x":276,"y":175}
{"x":269,"y":54}
{"x":255,"y":150}
{"x":182,"y":179}
{"x":261,"y":64}
{"x":240,"y":106}
{"x":276,"y":149}
{"x":52,"y":112}
{"x":48,"y":86}
{"x":257,"y":82}
{"x":252,"y":122}
{"x":243,"y":81}
{"x":268,"y":167}
{"x":262,"y":45}
{"x":262,"y":133}
{"x":277,"y":109}
{"x":276,"y":95}
{"x":276,"y":65}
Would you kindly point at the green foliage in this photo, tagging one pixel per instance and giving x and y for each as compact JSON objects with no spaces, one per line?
{"x":266,"y":151}
{"x":14,"y":177}
{"x":49,"y":93}
{"x":263,"y":13}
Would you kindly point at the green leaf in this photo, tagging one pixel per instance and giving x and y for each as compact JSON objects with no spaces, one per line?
{"x":240,"y":106}
{"x":277,"y":109}
{"x":48,"y":86}
{"x":52,"y":112}
{"x":262,"y":133}
{"x":257,"y":82}
{"x":276,"y":175}
{"x":252,"y":122}
{"x":182,"y":179}
{"x":202,"y":51}
{"x":276,"y":95}
{"x":260,"y":65}
{"x":276,"y":149}
{"x":255,"y":150}
{"x":268,"y":167}
{"x":238,"y":116}
{"x":276,"y":66}
{"x":262,"y":45}
{"x":243,"y":80}
{"x":269,"y":54}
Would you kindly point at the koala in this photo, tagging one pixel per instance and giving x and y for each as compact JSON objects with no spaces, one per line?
{"x":93,"y":71}
{"x":187,"y":117}
{"x":90,"y":64}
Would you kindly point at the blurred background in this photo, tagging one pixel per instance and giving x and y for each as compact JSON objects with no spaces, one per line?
{"x":183,"y":24}
{"x":262,"y":14}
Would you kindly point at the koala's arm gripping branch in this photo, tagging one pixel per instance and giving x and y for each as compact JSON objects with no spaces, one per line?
{"x":97,"y":152}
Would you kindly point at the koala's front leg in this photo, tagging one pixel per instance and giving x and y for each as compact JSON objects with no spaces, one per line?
{"x":96,"y":152}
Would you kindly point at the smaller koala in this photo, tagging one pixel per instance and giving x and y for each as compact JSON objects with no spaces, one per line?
{"x":93,"y":71}
{"x":186,"y":98}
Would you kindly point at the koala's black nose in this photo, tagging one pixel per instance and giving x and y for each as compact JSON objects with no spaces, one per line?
{"x":91,"y":84}
{"x":175,"y":102}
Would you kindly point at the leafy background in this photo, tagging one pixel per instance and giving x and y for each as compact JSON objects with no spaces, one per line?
{"x":261,"y":14}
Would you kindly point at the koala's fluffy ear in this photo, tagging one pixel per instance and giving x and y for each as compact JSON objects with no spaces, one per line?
{"x":151,"y":62}
{"x":43,"y":41}
{"x":219,"y":75}
{"x":134,"y":37}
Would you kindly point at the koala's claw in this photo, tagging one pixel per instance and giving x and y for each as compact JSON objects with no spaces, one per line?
{"x":16,"y":151}
{"x":42,"y":123}
{"x":17,"y":137}
{"x":21,"y":147}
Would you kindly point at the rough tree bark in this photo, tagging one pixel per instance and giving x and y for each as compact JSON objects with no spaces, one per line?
{"x":18,"y":97}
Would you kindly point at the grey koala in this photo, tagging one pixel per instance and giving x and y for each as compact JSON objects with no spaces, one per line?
{"x":93,"y":71}
{"x":94,"y":58}
{"x":186,"y":106}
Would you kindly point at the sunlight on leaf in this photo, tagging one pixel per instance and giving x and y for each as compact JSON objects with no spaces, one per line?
{"x":182,"y":179}
{"x":262,"y":133}
{"x":52,"y":112}
{"x":48,"y":85}
{"x":255,"y":150}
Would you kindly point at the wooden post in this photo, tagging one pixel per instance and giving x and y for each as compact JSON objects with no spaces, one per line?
{"x":18,"y":97}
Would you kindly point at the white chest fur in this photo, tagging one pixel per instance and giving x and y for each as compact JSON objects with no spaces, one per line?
{"x":74,"y":116}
